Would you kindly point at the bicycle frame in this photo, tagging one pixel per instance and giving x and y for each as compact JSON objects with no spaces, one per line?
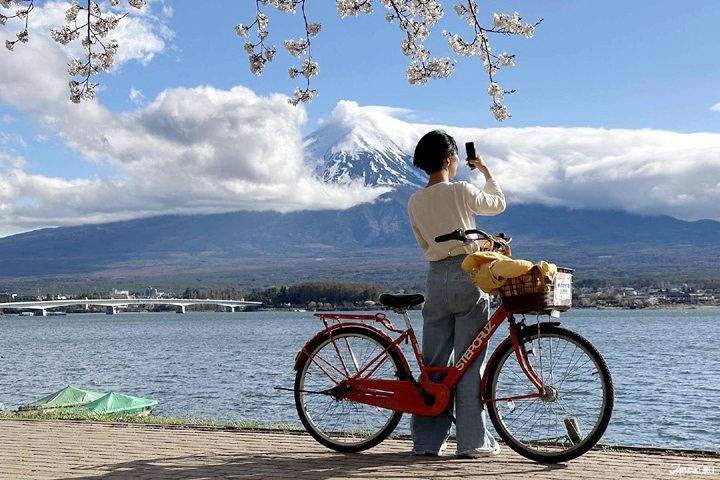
{"x":408,"y":395}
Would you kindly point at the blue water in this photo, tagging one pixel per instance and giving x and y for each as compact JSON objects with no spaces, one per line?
{"x":665,"y":365}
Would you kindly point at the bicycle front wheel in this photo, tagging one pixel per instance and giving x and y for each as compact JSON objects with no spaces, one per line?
{"x":577,"y":402}
{"x":337,"y":423}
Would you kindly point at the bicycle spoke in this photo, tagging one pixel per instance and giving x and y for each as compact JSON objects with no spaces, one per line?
{"x":521,"y":412}
{"x":575,"y":391}
{"x":337,"y":421}
{"x":575,"y":374}
{"x":570,"y":368}
{"x":560,"y":355}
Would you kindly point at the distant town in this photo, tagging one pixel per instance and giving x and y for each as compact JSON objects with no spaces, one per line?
{"x":355,"y":296}
{"x":629,"y":297}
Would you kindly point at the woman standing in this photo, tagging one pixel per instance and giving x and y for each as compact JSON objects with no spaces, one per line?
{"x":455,"y":309}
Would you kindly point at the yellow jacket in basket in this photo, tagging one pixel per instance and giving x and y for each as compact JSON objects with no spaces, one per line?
{"x":490,"y":270}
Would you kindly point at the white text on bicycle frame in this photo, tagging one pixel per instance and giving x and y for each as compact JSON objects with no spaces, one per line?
{"x":477,"y":343}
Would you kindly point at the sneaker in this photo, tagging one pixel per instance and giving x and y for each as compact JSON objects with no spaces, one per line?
{"x":480,"y":453}
{"x":435,"y":454}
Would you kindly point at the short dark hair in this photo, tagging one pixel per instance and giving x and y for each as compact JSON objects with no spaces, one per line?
{"x":432,"y":149}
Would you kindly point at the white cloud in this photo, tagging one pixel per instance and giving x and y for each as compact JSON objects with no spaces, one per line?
{"x":136,"y":97}
{"x":8,"y":139}
{"x":142,"y":34}
{"x":7,"y":118}
{"x":11,"y":161}
{"x":197,"y":150}
{"x":639,"y":171}
{"x":715,"y":108}
{"x":204,"y":150}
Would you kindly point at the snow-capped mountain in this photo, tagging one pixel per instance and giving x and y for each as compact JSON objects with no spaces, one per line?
{"x":344,"y":151}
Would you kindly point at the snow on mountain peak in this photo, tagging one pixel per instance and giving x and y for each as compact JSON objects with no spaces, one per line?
{"x":364,"y":144}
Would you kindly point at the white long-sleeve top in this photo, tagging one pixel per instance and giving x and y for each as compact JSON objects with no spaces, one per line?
{"x":446,"y":206}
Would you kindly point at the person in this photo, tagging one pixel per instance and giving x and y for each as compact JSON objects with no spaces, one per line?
{"x":455,"y":310}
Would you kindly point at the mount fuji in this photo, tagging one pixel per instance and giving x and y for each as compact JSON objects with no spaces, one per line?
{"x":346,"y":153}
{"x":369,"y":242}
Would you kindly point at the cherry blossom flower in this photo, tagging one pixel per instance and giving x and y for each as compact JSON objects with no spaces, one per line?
{"x":500,"y":112}
{"x":496,"y":91}
{"x":242,"y":30}
{"x":296,"y":49}
{"x":313,"y":29}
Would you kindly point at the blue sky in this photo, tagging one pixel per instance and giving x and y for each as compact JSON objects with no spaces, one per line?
{"x":610,"y":64}
{"x":602,"y":65}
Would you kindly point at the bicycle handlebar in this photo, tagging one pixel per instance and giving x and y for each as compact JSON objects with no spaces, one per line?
{"x":499,"y":243}
{"x":456,"y":235}
{"x":461,"y":235}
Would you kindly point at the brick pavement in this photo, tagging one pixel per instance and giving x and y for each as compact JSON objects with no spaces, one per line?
{"x":33,"y":449}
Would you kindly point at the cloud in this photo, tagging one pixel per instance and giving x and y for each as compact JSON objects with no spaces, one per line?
{"x":373,"y":125}
{"x":188,"y":151}
{"x":7,"y":118}
{"x":142,"y":34}
{"x":639,"y":171}
{"x":715,"y":108}
{"x":11,"y":161}
{"x":136,"y":96}
{"x":208,"y":150}
{"x":8,"y":139}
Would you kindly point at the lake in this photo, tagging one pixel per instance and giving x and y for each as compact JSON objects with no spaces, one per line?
{"x":665,"y":365}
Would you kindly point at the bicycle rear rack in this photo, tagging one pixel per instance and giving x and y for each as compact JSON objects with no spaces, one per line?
{"x":380,"y":318}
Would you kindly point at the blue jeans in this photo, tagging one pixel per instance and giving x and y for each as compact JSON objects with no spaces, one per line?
{"x":455,"y":311}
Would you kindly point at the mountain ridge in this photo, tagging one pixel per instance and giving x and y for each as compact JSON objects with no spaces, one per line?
{"x":346,"y":243}
{"x":539,"y":233}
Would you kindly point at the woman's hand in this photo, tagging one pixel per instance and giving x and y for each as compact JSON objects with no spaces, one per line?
{"x":480,"y":164}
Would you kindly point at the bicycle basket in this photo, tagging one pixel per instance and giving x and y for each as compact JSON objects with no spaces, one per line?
{"x":530,"y":293}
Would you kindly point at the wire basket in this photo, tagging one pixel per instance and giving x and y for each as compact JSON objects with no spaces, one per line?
{"x":531,"y":294}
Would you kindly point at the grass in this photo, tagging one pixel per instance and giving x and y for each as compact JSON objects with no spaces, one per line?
{"x":183,"y":421}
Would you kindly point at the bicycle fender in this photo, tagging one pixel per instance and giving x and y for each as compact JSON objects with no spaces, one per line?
{"x":528,"y":329}
{"x":321,"y":334}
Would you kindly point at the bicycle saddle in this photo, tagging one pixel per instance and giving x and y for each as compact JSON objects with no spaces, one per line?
{"x":401,"y":301}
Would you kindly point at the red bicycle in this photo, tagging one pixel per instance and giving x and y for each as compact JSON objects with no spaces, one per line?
{"x":547,"y":390}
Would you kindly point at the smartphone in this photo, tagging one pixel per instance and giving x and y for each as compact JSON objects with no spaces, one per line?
{"x":471,"y":154}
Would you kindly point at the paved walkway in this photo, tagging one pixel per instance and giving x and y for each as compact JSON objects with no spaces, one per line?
{"x":64,"y":449}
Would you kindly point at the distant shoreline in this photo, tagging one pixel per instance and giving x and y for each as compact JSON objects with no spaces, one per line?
{"x":56,"y":313}
{"x":268,"y":310}
{"x":663,"y":307}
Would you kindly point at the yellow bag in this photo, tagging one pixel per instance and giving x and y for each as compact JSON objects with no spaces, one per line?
{"x":490,"y":270}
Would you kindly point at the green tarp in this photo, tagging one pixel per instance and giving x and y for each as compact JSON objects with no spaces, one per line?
{"x":67,"y":397}
{"x":117,"y":404}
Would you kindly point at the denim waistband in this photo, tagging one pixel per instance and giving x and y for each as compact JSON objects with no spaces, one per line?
{"x":448,"y":262}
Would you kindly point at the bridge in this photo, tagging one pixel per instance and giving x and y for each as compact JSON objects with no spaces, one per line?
{"x":112,"y":304}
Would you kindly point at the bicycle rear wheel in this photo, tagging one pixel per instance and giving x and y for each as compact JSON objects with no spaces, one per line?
{"x":575,"y":409}
{"x":337,"y":423}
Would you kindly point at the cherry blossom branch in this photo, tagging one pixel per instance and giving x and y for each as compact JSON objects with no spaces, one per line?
{"x":96,"y":27}
{"x":502,"y":24}
{"x":309,"y":68}
{"x":415,"y":18}
{"x":422,"y":67}
{"x":265,"y":54}
{"x":259,"y":54}
{"x":23,"y":14}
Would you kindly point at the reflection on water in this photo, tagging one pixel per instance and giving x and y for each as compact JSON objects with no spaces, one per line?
{"x":665,"y":365}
